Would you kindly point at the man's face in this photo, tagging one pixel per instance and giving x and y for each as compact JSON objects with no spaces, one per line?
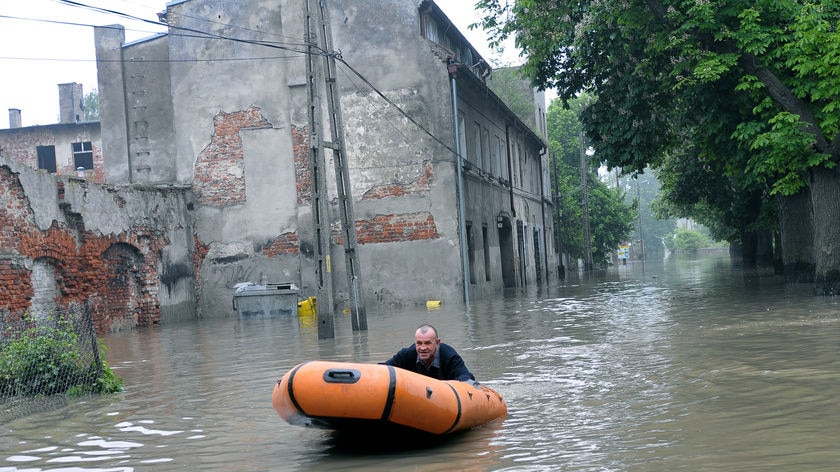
{"x":426,"y":345}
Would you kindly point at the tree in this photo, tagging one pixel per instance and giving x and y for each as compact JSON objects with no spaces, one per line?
{"x":643,"y":191}
{"x":516,"y":92}
{"x":689,"y":240}
{"x":91,"y":106}
{"x":654,"y":64}
{"x":611,"y":219}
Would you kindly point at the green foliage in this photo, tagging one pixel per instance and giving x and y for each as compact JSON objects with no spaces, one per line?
{"x":91,"y":106}
{"x":610,"y":216}
{"x":688,"y":240}
{"x":46,"y":359}
{"x":611,"y":219}
{"x":515,"y":90}
{"x":642,"y":192}
{"x":731,"y":102}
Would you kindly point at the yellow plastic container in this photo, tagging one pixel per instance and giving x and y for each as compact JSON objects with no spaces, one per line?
{"x":432,"y":304}
{"x":308,"y":307}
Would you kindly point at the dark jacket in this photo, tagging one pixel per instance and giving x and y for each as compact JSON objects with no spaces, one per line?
{"x":452,"y":367}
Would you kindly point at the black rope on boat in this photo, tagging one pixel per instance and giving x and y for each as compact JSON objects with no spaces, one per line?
{"x":458,"y":416}
{"x":291,"y":390}
{"x":392,"y":392}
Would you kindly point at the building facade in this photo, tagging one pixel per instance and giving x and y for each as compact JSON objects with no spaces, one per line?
{"x":447,"y":184}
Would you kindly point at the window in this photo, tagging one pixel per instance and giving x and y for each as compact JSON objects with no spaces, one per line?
{"x":485,"y":151}
{"x":83,"y":155}
{"x":477,"y":143}
{"x":470,"y":254}
{"x":46,"y":158}
{"x":497,"y":157}
{"x":432,"y":31}
{"x":486,"y":252}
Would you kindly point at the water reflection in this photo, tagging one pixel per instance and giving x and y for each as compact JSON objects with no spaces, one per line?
{"x":689,"y":364}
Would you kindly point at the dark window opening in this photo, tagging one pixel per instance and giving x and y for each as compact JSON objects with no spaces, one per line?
{"x":486,"y":253}
{"x":470,"y":253}
{"x":46,"y":158}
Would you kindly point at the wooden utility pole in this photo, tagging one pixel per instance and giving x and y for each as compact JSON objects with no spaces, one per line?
{"x":317,"y":164}
{"x":584,"y":175}
{"x":319,"y":45}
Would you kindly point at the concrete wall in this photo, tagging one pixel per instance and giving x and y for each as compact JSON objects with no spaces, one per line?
{"x":135,"y":102}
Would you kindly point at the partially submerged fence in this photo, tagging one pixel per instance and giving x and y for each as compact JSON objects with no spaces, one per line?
{"x":47,"y":354}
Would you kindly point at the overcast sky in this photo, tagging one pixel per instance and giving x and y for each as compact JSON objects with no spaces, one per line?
{"x":39,"y":49}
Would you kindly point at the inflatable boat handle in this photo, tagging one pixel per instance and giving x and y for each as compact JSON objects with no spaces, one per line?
{"x":342,"y":376}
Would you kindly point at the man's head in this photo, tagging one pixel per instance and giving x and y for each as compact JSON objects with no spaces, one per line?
{"x":426,"y":342}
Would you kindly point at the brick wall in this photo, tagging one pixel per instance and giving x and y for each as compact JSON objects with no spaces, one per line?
{"x":392,"y":229}
{"x":116,"y":273}
{"x":303,"y":175}
{"x":16,"y":289}
{"x":219,"y":169}
{"x":419,"y":185}
{"x":286,"y":243}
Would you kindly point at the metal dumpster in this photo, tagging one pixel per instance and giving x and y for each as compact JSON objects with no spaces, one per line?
{"x":265,"y":301}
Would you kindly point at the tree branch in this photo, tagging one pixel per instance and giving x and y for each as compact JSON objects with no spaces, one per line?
{"x":779,"y":92}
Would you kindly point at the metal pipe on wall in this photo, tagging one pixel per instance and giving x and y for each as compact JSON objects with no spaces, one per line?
{"x":452,"y":67}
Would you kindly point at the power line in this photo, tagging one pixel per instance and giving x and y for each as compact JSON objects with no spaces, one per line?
{"x":291,"y":47}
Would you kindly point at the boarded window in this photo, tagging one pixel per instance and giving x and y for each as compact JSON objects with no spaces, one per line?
{"x":83,"y":155}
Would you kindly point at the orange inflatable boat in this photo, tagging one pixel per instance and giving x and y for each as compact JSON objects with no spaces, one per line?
{"x":350,"y":396}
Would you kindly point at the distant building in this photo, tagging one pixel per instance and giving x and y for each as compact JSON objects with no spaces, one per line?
{"x":70,"y":147}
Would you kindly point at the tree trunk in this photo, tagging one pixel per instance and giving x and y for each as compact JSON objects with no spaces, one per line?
{"x":825,"y":201}
{"x":797,"y":236}
{"x":764,"y":248}
{"x":749,"y":243}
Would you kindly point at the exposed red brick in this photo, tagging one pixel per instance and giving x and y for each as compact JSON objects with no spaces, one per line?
{"x":215,"y":184}
{"x":392,"y":228}
{"x":199,"y":254}
{"x":419,"y":185}
{"x":116,"y":273}
{"x":286,"y":243}
{"x":302,"y":157}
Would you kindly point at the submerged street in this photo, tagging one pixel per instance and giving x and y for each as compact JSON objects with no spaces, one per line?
{"x":691,"y":364}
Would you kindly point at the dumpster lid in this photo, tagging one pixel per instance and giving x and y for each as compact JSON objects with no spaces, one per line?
{"x":251,"y":287}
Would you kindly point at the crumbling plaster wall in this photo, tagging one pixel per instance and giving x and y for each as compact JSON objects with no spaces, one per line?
{"x":244,"y":127}
{"x":125,"y":251}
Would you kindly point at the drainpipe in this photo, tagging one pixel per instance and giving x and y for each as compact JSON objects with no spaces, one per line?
{"x":452,"y":67}
{"x":510,"y":169}
{"x":544,"y":152}
{"x":509,"y":147}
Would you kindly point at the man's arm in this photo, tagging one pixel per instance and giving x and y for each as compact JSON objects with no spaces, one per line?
{"x":403,"y":359}
{"x":455,"y":368}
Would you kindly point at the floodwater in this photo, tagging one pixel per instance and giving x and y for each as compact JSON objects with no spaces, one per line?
{"x":690,"y":364}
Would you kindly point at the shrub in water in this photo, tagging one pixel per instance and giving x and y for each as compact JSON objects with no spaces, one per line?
{"x":47,"y":359}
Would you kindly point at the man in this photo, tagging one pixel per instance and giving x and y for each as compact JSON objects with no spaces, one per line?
{"x":430,"y":357}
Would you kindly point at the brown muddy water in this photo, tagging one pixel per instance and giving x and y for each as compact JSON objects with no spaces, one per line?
{"x":690,"y":364}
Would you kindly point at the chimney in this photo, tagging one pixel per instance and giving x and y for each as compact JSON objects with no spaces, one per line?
{"x":14,"y":118}
{"x":70,"y":103}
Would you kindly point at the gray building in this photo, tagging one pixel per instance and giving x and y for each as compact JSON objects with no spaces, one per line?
{"x":220,"y":104}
